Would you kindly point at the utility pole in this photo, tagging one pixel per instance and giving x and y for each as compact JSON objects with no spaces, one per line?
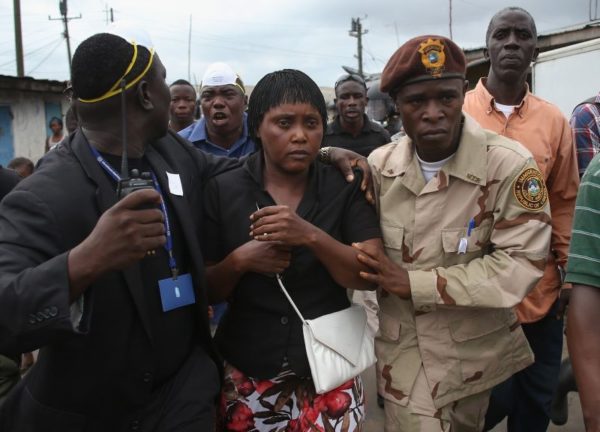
{"x":190,"y":49}
{"x":357,"y":32}
{"x":18,"y":39}
{"x":109,"y":12}
{"x":110,"y":18}
{"x":450,"y":18}
{"x":62,"y":6}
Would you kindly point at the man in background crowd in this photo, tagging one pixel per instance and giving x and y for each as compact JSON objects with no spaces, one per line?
{"x":583,"y":332}
{"x":503,"y":103}
{"x":583,"y":271}
{"x":351,"y":128}
{"x":585,"y":123}
{"x":381,"y":108}
{"x":183,"y":105}
{"x":223,"y":129}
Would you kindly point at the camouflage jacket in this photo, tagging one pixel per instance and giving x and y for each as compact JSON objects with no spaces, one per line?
{"x":464,"y":281}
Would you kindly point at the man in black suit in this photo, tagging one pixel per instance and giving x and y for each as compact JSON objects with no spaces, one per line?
{"x":113,"y":294}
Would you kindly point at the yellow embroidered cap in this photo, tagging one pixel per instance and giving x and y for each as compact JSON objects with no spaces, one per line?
{"x":138,"y":38}
{"x":423,"y":58}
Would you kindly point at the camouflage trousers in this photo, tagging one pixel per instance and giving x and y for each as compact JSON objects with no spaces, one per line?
{"x":463,"y":415}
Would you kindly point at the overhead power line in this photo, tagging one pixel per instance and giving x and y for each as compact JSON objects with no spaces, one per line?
{"x":31,"y":52}
{"x":47,"y":57}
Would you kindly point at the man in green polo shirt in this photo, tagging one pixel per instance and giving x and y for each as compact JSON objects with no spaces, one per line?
{"x":583,"y":271}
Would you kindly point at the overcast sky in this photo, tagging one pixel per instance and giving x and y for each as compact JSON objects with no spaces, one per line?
{"x":258,"y":36}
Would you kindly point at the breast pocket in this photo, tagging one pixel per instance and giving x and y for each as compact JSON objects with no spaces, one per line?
{"x":393,"y":241}
{"x":477,"y":244}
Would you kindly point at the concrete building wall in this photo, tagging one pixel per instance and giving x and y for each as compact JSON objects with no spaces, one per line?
{"x":29,"y":123}
{"x":27,"y":98}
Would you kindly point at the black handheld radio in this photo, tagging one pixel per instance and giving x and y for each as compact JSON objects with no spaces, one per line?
{"x":130,"y":181}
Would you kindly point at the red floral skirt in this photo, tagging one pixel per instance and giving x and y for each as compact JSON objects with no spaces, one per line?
{"x":288,"y":403}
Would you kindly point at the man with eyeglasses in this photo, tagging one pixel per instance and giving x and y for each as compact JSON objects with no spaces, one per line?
{"x":351,"y":128}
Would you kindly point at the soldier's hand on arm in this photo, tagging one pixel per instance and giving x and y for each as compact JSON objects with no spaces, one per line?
{"x":345,"y":160}
{"x":385,"y":273}
{"x":122,"y":236}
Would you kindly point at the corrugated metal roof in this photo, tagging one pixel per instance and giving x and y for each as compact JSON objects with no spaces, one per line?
{"x":8,"y":82}
{"x":554,"y":32}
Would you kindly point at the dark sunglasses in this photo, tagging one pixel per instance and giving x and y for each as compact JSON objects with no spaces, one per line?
{"x":350,"y":77}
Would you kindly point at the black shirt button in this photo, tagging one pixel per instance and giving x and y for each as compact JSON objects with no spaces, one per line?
{"x":284,"y":320}
{"x":147,"y":377}
{"x":134,"y":425}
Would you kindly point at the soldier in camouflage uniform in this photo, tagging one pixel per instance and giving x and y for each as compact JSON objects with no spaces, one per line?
{"x":466,"y":229}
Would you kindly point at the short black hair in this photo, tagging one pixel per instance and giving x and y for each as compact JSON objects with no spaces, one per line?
{"x":182,"y":82}
{"x":488,"y":33}
{"x":57,"y":120}
{"x":281,"y":87}
{"x":20,"y":161}
{"x":185,"y":83}
{"x":100,"y":60}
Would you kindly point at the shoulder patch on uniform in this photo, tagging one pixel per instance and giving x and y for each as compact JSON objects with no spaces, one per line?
{"x":530,"y":190}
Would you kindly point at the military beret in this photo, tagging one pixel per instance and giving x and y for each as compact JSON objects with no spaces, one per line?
{"x":423,"y":58}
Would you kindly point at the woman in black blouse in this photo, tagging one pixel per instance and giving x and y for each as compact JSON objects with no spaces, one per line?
{"x":283,"y":212}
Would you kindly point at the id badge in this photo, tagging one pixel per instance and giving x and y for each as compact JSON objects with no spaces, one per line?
{"x":176,"y":293}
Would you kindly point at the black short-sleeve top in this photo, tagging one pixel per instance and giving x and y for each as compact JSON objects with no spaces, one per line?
{"x":260,"y":331}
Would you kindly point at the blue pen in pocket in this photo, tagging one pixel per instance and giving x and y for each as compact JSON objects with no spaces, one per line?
{"x":464,"y":241}
{"x":471,"y":227}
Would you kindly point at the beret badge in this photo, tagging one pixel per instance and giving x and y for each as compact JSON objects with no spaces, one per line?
{"x":433,"y":56}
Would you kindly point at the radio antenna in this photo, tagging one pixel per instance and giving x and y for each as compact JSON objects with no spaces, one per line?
{"x":124,"y":162}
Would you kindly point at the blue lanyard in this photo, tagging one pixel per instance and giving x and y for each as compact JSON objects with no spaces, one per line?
{"x":169,"y":244}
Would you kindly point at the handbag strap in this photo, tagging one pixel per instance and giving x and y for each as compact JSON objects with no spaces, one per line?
{"x":289,"y":298}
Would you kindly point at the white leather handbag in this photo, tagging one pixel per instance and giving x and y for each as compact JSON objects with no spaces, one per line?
{"x":339,"y":345}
